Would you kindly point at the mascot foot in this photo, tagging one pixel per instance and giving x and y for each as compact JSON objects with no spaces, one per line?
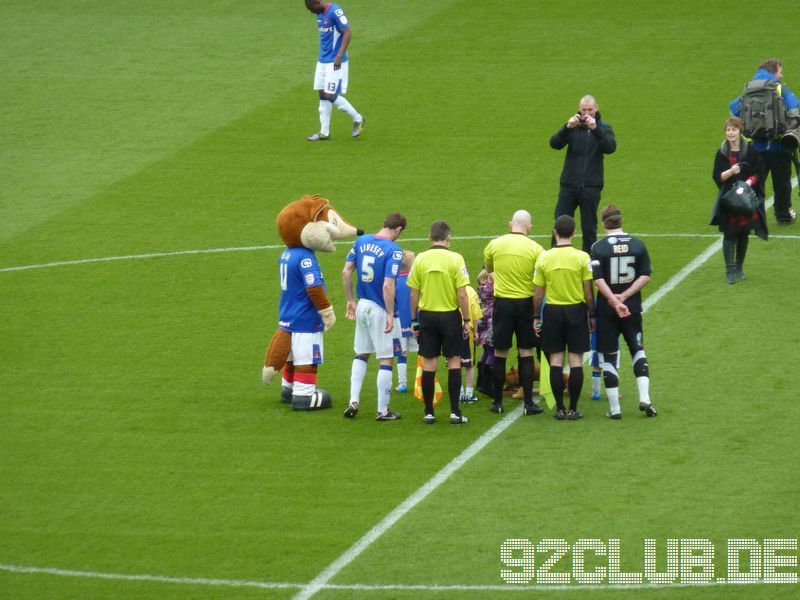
{"x":286,"y":394}
{"x":268,"y":374}
{"x":317,"y":401}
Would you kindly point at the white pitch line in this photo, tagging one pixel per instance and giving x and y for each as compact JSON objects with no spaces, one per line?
{"x":85,"y":261}
{"x":356,"y":587}
{"x":155,"y":578}
{"x":349,"y":555}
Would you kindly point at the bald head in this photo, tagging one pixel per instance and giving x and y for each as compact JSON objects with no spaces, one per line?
{"x":521,"y":221}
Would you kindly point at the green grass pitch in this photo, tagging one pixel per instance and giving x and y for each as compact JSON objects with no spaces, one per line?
{"x":140,"y":456}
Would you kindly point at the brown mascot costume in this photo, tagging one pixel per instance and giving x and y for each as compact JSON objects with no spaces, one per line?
{"x":306,"y":226}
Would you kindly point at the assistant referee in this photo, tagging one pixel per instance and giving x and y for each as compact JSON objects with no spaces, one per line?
{"x":440,"y":316}
{"x":563,"y":276}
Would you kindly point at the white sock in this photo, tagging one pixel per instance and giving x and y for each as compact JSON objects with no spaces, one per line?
{"x":643,"y":383}
{"x":285,"y":383}
{"x":402,"y":373}
{"x":613,"y":400}
{"x":596,"y":376}
{"x":342,"y":104}
{"x":384,"y":387}
{"x":468,"y":391}
{"x":325,"y":109}
{"x":357,"y":373}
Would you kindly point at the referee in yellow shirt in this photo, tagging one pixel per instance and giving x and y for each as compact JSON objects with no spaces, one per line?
{"x":440,"y":316}
{"x":563,"y":279}
{"x":512,"y":257}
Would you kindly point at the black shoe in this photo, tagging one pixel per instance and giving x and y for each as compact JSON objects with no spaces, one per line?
{"x":648,"y":409}
{"x":560,"y":415}
{"x":532,"y":409}
{"x":731,"y":276}
{"x":387,"y":416}
{"x":429,"y":419}
{"x":574,"y":415}
{"x":497,"y":407}
{"x":351,"y":410}
{"x":739,"y":274}
{"x":286,"y":395}
{"x":615,"y":416}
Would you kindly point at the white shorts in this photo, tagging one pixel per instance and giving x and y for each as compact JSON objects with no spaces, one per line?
{"x":409,"y":344}
{"x":370,"y":338}
{"x":330,"y":81}
{"x":306,"y":349}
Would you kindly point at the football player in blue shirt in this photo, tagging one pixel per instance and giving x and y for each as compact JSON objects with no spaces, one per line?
{"x":331,"y":76}
{"x":376,"y":260}
{"x":408,"y":343}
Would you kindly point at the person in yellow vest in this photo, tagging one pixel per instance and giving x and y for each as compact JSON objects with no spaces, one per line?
{"x":440,"y":316}
{"x":512,"y":258}
{"x":563,"y":281}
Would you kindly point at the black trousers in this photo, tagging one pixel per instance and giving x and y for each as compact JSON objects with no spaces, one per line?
{"x":587,"y":199}
{"x":779,"y":164}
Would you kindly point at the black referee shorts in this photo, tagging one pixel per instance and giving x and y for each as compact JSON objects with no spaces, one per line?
{"x":565,"y":326}
{"x":440,"y":333}
{"x":513,"y":317}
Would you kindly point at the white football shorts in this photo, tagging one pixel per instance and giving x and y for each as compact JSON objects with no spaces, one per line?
{"x":330,"y":81}
{"x":407,"y":344}
{"x":306,"y":349}
{"x":370,"y":338}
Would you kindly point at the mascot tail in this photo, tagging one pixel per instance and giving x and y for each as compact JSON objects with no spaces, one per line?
{"x":277,"y":353}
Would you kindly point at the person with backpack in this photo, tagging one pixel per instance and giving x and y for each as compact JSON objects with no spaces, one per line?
{"x":737,"y":160}
{"x":770,"y":117}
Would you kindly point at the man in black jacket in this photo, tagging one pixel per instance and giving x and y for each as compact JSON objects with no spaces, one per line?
{"x":587,"y":138}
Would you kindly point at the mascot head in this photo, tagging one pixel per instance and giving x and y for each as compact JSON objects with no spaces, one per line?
{"x":311,"y":222}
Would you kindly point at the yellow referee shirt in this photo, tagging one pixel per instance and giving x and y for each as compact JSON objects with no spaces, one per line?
{"x":561,"y":271}
{"x":437,"y":274}
{"x":512,"y":257}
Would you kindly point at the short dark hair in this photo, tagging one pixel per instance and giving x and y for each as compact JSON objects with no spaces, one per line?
{"x":440,"y":231}
{"x":564,"y":226}
{"x":395,"y":220}
{"x":770,"y":64}
{"x":611,"y":216}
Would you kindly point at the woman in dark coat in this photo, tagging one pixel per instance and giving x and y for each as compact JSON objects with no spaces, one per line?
{"x":736,"y":160}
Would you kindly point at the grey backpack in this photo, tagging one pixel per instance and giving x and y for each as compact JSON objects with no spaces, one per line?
{"x":763,"y":110}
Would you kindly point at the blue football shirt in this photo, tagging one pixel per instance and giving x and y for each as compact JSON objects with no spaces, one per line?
{"x":375,"y":257}
{"x":331,"y":24}
{"x":299,"y":269}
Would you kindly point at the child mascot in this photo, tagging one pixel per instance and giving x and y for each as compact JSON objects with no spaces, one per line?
{"x":306,"y":226}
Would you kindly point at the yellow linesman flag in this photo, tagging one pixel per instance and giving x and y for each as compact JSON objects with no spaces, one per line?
{"x":545,"y":390}
{"x":437,"y":389}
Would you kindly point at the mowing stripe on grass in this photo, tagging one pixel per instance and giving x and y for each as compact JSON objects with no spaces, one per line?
{"x":84,"y":261}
